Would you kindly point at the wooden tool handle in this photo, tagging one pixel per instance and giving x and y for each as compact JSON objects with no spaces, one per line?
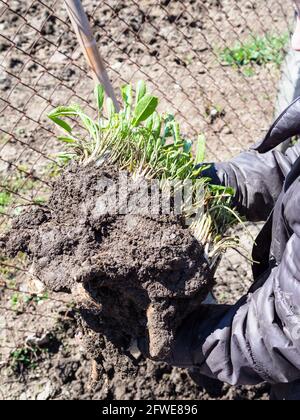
{"x":87,"y":41}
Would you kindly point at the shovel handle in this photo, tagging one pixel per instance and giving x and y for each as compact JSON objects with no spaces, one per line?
{"x":88,"y":44}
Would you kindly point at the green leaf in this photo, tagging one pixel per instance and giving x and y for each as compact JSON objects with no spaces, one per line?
{"x":66,"y":139}
{"x":127,"y":94}
{"x":58,"y":121}
{"x":66,"y":157}
{"x":176,"y":132}
{"x":201,"y":146}
{"x":141,"y":90}
{"x":89,"y":124}
{"x":99,"y":95}
{"x":156,"y":128}
{"x":64,"y":111}
{"x":149,"y":123}
{"x":146,"y":107}
{"x":128,"y":99}
{"x":168,"y":120}
{"x":110,"y":108}
{"x":196,"y":173}
{"x":5,"y":198}
{"x":224,"y":190}
{"x":39,"y":200}
{"x":187,"y":146}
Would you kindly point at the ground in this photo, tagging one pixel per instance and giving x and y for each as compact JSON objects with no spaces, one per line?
{"x":175,"y":45}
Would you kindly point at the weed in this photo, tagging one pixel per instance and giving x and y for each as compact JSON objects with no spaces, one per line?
{"x":13,"y":188}
{"x":24,"y":358}
{"x":15,"y":299}
{"x":260,"y":50}
{"x":38,"y":299}
{"x":18,"y":300}
{"x":150,"y":145}
{"x":5,"y":199}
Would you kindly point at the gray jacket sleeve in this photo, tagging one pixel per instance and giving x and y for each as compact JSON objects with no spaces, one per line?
{"x":257,"y":180}
{"x":258,"y":339}
{"x":254,"y":341}
{"x":257,"y":175}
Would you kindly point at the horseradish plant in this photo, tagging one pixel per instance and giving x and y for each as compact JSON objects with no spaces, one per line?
{"x":150,"y":145}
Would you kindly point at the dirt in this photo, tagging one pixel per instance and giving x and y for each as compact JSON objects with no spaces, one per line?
{"x":128,"y":275}
{"x":63,"y":371}
{"x":134,"y":276}
{"x":174,"y":45}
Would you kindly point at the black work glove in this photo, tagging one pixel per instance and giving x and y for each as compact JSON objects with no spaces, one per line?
{"x":209,"y":171}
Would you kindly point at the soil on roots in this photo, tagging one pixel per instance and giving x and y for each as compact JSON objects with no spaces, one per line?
{"x":133,"y":276}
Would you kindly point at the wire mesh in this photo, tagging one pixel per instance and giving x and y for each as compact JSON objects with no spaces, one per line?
{"x":176,"y":46}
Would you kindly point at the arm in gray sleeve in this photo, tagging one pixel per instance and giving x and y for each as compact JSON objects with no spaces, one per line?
{"x":257,"y":175}
{"x":257,"y":180}
{"x":254,"y":341}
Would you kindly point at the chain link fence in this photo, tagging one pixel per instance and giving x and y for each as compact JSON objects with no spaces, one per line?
{"x":199,"y":57}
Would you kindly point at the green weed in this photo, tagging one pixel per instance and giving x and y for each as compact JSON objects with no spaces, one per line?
{"x":24,"y":358}
{"x":37,"y":299}
{"x":19,"y":300}
{"x":5,"y":199}
{"x":150,"y":145}
{"x":16,"y":186}
{"x":260,"y":51}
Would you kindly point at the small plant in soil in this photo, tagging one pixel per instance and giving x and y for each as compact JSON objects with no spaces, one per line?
{"x":5,"y":199}
{"x":259,"y":50}
{"x":36,"y":299}
{"x":133,"y":275}
{"x":14,"y":300}
{"x":19,"y":300}
{"x":24,"y":358}
{"x":16,"y":189}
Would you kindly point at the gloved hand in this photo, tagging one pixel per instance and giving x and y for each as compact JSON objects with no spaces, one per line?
{"x":210,"y":171}
{"x":186,"y":348}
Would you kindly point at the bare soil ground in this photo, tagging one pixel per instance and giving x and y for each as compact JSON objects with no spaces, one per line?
{"x":173,"y":44}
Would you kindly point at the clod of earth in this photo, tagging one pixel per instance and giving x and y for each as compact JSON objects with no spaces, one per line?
{"x":137,"y":273}
{"x":133,"y":276}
